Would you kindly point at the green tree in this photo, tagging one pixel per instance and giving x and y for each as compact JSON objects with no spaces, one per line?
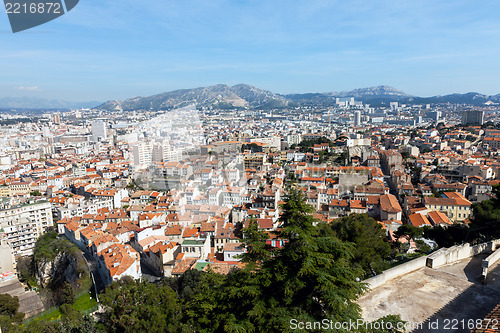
{"x":486,"y":221}
{"x":25,"y":268}
{"x":416,"y":173}
{"x":310,"y":278}
{"x":87,"y":325}
{"x":343,"y":159}
{"x":41,"y":326}
{"x":8,"y":312}
{"x":253,"y":147}
{"x":409,"y":231}
{"x":132,"y":306}
{"x":186,"y":284}
{"x":68,"y":294}
{"x":368,"y":236}
{"x":254,"y":241}
{"x":8,"y":304}
{"x":449,"y":236}
{"x":223,"y":303}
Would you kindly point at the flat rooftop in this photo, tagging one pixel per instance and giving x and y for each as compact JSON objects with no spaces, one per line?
{"x":428,"y":295}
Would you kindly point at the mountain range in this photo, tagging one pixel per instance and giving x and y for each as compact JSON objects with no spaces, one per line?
{"x":244,"y":95}
{"x":247,"y":96}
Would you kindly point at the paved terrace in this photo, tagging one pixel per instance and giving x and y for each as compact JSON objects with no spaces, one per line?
{"x":428,"y":295}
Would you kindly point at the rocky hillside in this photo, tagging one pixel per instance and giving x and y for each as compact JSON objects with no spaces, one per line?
{"x":241,"y":95}
{"x":379,"y":91}
{"x":63,"y":268}
{"x":56,"y":261}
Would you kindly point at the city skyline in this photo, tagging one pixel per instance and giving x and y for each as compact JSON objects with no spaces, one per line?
{"x":108,"y":50}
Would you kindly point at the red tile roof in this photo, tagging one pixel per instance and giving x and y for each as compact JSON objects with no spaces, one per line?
{"x":390,"y":204}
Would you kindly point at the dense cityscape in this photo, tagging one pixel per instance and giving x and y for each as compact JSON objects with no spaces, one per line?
{"x":249,"y":166}
{"x":151,"y":195}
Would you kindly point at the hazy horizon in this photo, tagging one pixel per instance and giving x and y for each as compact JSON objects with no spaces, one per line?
{"x":279,"y":93}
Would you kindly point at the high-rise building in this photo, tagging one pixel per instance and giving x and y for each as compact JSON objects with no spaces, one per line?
{"x":357,"y":118}
{"x":473,"y":117}
{"x":434,"y":115}
{"x":163,"y":152}
{"x":99,"y":131}
{"x":142,"y":154}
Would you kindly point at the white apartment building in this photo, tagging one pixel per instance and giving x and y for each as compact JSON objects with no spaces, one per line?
{"x":22,"y":225}
{"x":87,"y":207}
{"x":21,"y":234}
{"x":142,"y":154}
{"x":196,"y":248}
{"x":163,"y":152}
{"x":294,"y":139}
{"x":232,"y":196}
{"x":99,"y":131}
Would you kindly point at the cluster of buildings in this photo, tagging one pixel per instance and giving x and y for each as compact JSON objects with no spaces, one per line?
{"x":168,"y":191}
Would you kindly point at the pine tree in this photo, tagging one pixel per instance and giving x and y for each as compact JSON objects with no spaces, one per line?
{"x":368,"y":237}
{"x":257,"y":250}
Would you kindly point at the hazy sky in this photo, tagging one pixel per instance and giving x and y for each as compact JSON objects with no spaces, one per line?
{"x":114,"y":49}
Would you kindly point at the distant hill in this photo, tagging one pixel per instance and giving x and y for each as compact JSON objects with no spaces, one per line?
{"x":42,"y":103}
{"x":472,"y":98}
{"x":370,"y":92}
{"x":383,"y":95}
{"x":241,"y":95}
{"x":371,"y":95}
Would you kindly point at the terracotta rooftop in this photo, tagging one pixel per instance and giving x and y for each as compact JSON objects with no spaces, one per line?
{"x":418,"y":220}
{"x":390,"y":204}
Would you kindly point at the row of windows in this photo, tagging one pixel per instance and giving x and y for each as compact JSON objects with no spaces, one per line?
{"x":191,"y":249}
{"x":448,"y":207}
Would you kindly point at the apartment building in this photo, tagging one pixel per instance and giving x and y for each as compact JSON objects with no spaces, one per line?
{"x":456,"y":207}
{"x":255,"y":161}
{"x":23,"y":224}
{"x":91,"y":206}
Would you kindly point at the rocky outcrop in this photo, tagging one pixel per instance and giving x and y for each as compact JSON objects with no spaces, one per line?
{"x":63,"y":268}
